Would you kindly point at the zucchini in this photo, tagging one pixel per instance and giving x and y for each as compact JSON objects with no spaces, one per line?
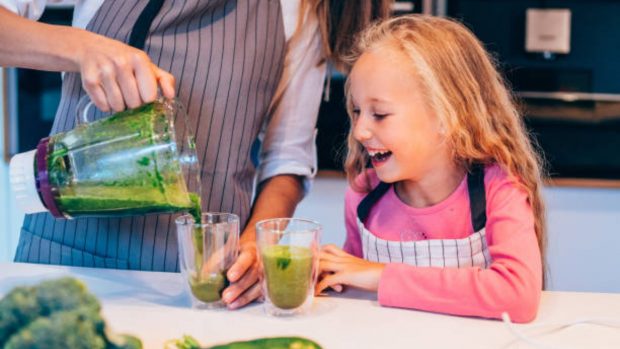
{"x":271,"y":343}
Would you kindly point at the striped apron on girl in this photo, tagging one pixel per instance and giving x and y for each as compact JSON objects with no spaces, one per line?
{"x":227,"y":58}
{"x":452,"y":253}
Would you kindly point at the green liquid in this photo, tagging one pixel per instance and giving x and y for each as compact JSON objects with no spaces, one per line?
{"x":110,"y":201}
{"x":122,"y":165}
{"x":209,"y":289}
{"x":288,"y":271}
{"x":196,"y":209}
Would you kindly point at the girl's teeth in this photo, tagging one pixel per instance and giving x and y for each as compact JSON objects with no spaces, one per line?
{"x":379,"y":155}
{"x":374,"y":153}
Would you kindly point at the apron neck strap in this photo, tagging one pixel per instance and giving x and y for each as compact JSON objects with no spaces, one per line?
{"x":363,"y":209}
{"x":477,"y":196}
{"x":140,"y":30}
{"x":475,"y":187}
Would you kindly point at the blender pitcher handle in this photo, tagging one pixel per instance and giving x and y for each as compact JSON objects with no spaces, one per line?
{"x":83,"y":107}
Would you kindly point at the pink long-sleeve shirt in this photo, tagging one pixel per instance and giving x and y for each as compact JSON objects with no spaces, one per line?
{"x":512,"y":282}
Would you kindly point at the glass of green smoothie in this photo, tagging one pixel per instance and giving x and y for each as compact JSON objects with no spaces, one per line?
{"x":288,"y":250}
{"x":208,"y":246}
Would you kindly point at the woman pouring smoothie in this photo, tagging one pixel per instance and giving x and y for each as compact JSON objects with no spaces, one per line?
{"x":238,"y":67}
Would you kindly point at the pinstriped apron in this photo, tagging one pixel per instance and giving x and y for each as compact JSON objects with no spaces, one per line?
{"x":471,"y":251}
{"x":227,"y":58}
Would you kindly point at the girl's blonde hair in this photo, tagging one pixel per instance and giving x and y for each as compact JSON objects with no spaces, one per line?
{"x":464,"y":89}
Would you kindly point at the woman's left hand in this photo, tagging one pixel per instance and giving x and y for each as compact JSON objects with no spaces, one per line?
{"x":341,"y":268}
{"x":243,"y":276}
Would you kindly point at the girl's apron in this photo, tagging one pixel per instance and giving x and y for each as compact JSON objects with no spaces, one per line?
{"x":454,"y":253}
{"x":227,"y":58}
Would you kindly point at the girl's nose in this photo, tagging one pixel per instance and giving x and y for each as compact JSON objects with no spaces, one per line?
{"x":361,"y":132}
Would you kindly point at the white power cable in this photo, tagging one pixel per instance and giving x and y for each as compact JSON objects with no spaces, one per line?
{"x":607,"y":322}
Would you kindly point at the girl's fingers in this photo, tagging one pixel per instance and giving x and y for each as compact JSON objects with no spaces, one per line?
{"x":336,"y":257}
{"x":326,"y":266}
{"x":333,"y":249}
{"x":329,"y":281}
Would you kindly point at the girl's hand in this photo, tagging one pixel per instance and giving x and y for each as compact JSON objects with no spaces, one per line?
{"x":340,"y":268}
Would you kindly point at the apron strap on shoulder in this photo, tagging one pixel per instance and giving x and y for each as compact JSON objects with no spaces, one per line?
{"x":477,"y":196}
{"x":140,"y":30}
{"x":363,"y":209}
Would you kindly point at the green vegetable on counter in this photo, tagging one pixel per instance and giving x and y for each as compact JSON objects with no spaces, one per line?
{"x":57,"y":313}
{"x":187,"y":342}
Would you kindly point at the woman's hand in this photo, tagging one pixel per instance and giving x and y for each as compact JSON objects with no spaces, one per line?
{"x":340,"y":268}
{"x":243,"y":276}
{"x":117,"y":76}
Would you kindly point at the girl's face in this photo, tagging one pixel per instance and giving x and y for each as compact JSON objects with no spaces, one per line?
{"x":391,"y":118}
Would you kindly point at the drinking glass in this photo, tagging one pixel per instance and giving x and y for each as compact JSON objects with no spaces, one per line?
{"x":289,"y":254}
{"x":206,"y":251}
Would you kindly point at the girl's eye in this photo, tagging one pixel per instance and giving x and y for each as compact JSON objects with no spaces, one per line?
{"x":356,"y":112}
{"x":379,"y":116}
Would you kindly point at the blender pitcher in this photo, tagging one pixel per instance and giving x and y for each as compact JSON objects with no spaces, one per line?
{"x":134,"y":162}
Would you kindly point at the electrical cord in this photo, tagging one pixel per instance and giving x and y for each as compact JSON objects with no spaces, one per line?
{"x":607,"y":322}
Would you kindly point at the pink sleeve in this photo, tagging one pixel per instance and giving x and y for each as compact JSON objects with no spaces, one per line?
{"x":512,"y":283}
{"x":353,"y":242}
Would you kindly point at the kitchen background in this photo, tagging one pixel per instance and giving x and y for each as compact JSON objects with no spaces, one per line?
{"x":572,"y":106}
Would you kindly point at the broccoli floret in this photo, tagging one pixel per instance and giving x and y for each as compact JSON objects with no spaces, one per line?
{"x":17,"y":309}
{"x":24,"y":304}
{"x":64,"y":294}
{"x":58,"y":313}
{"x":78,"y":328}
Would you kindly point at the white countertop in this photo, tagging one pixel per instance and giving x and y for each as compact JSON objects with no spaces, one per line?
{"x":154,"y":307}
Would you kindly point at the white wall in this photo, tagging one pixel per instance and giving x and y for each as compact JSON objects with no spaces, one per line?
{"x":583,"y":251}
{"x":10,"y":216}
{"x":583,"y":223}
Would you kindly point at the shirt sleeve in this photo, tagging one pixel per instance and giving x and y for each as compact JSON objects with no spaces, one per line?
{"x":31,"y":9}
{"x":288,"y":144}
{"x":512,"y":283}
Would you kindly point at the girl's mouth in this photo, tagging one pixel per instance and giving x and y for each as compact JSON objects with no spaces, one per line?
{"x":378,"y":158}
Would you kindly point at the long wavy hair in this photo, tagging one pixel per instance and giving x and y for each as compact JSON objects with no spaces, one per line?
{"x":340,"y":21}
{"x":471,"y":99}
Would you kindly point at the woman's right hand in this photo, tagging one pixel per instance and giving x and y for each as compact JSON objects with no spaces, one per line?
{"x":117,"y":76}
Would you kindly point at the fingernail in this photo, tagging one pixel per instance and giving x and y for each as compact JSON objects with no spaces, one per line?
{"x":233,"y":275}
{"x":227,"y":296}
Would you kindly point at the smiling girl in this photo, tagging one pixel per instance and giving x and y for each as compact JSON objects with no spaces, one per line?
{"x":450,"y":217}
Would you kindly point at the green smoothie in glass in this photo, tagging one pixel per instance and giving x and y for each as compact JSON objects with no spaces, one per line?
{"x":288,"y":274}
{"x":209,"y":289}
